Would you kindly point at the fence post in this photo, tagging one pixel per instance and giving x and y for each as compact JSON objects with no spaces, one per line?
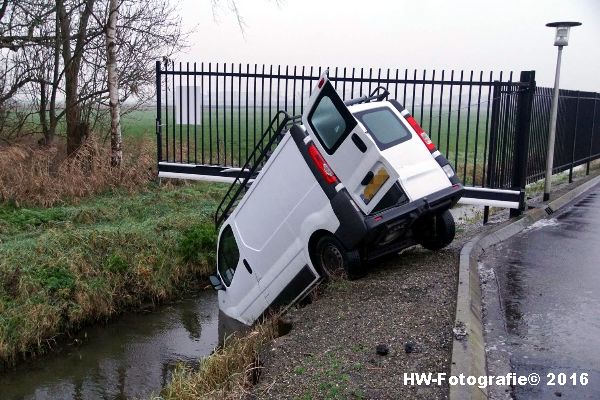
{"x":521,"y":152}
{"x":158,"y":115}
{"x":490,"y":174}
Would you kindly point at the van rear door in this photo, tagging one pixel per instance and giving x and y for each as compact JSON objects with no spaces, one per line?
{"x":348,"y":149}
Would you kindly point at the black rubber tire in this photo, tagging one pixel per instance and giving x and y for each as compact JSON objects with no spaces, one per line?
{"x":334,"y":261}
{"x":437,"y":232}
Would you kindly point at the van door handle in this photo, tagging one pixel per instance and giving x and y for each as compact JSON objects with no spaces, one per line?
{"x":247,"y":265}
{"x":359,"y":143}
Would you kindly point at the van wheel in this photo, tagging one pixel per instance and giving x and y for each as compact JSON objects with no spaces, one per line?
{"x":335,"y":262}
{"x":437,"y":232}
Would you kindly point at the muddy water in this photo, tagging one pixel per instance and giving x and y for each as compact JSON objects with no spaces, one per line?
{"x":129,"y":358}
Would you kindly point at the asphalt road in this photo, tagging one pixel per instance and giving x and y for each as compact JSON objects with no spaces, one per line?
{"x":542,"y":304}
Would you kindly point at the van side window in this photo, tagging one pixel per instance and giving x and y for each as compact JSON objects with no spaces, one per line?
{"x":229,"y":255}
{"x":384,"y":126}
{"x":330,"y":119}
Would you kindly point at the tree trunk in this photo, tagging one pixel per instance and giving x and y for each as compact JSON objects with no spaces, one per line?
{"x":116,"y":140}
{"x":76,"y":131}
{"x":55,"y":83}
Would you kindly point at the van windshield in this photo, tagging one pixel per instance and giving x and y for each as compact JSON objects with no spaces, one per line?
{"x":384,"y":126}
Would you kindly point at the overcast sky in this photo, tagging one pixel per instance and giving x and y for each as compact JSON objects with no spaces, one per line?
{"x":507,"y":35}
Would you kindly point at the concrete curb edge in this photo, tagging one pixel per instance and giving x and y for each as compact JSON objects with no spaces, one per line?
{"x":468,"y":352}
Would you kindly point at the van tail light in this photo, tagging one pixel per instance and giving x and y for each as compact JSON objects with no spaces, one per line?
{"x":422,"y":134}
{"x":321,"y":164}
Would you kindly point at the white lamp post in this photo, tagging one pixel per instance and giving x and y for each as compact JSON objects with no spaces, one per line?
{"x":561,"y":40}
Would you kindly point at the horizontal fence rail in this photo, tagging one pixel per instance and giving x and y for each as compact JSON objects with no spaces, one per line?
{"x":214,"y":113}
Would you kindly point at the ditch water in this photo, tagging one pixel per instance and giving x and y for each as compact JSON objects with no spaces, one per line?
{"x":129,"y":358}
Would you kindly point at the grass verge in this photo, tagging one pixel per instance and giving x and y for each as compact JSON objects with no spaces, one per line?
{"x":69,"y":265}
{"x":227,"y":373}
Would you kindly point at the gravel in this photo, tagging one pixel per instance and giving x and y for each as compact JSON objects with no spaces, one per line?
{"x":358,"y":338}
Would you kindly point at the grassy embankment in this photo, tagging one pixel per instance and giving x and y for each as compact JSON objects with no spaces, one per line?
{"x":64,"y":266}
{"x":80,"y":241}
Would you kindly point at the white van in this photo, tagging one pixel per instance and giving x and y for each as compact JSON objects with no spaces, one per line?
{"x":353,"y":182}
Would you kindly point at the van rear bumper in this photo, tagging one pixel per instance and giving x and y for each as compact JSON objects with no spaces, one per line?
{"x":404,"y":215}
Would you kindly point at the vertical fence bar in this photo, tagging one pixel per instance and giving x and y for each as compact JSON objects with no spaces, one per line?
{"x":387,"y":84}
{"x":396,"y":87}
{"x":174,"y":111}
{"x":521,"y":150}
{"x":167,"y":112}
{"x":344,"y":86}
{"x":467,"y":133}
{"x":187,"y":102}
{"x":574,"y":138}
{"x":239,"y":108}
{"x":180,"y":115}
{"x":431,"y":103}
{"x":217,"y":130}
{"x":414,"y":90}
{"x":285,"y":98}
{"x":448,"y":132}
{"x":404,"y":89}
{"x":460,"y":86}
{"x":210,"y":141}
{"x":439,"y":132}
{"x":202,"y":112}
{"x":158,"y":115}
{"x":262,"y":102}
{"x":423,"y":97}
{"x":224,"y":107}
{"x":231,"y":114}
{"x":278,"y":84}
{"x":477,"y":128}
{"x":247,"y":114}
{"x":294,"y":93}
{"x":352,"y":84}
{"x":487,"y":126}
{"x":254,"y":111}
{"x":302,"y":92}
{"x":195,"y":117}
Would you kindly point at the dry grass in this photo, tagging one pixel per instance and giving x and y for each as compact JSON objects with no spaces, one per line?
{"x":227,"y":373}
{"x":35,"y":176}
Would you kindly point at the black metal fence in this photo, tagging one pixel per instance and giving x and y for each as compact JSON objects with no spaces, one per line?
{"x":214,"y":114}
{"x":491,"y":127}
{"x":577,"y":132}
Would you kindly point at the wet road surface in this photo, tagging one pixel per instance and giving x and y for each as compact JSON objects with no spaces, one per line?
{"x":129,"y":358}
{"x":542,"y":303}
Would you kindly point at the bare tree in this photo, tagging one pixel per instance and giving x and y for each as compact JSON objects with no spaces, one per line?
{"x":76,"y":60}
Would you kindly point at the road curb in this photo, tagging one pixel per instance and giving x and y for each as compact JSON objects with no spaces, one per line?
{"x":468,"y":352}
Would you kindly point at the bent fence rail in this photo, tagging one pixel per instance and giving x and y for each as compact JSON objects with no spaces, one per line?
{"x":210,"y":116}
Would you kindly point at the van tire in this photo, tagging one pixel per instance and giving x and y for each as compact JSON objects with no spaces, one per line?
{"x":334,"y":261}
{"x":436,"y":232}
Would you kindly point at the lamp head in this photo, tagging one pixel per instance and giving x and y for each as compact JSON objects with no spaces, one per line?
{"x":562,"y":32}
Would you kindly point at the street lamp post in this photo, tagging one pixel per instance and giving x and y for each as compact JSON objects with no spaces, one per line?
{"x":561,"y":40}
